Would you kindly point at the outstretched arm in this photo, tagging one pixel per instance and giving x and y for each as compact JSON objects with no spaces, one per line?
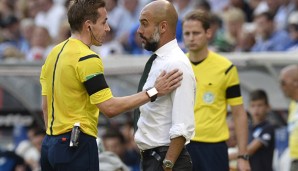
{"x":164,"y":84}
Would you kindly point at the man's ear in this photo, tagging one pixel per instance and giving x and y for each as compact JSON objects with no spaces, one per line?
{"x":87,"y":24}
{"x":163,"y":26}
{"x":209,"y":33}
{"x":296,"y":83}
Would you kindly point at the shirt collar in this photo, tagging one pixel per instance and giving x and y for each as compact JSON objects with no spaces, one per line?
{"x":164,"y":50}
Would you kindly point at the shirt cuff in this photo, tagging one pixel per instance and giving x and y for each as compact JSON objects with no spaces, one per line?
{"x":180,"y":129}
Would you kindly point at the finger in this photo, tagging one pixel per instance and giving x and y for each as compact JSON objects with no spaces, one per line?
{"x":173,"y":87}
{"x":175,"y":75}
{"x":175,"y":80}
{"x":163,"y":73}
{"x":173,"y":72}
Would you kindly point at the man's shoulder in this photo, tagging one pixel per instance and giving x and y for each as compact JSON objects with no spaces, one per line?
{"x":77,"y":48}
{"x":219,"y":59}
{"x":178,"y":57}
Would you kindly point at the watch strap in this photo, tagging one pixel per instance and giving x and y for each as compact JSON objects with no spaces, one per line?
{"x":243,"y":156}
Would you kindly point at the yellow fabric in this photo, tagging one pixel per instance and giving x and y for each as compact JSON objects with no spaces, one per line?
{"x":71,"y":103}
{"x":293,"y":128}
{"x":213,"y":79}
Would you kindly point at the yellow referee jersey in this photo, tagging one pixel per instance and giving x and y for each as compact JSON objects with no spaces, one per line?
{"x":217,"y":86}
{"x":293,"y":129}
{"x":73,"y":81}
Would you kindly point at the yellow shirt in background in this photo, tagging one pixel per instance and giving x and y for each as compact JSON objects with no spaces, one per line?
{"x":217,"y":86}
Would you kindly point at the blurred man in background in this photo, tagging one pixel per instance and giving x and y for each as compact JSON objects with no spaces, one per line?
{"x":289,"y":84}
{"x":218,"y":85}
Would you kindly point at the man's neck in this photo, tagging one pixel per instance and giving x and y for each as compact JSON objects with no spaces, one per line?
{"x":198,"y":56}
{"x":257,"y":122}
{"x":81,"y":38}
{"x":295,"y":98}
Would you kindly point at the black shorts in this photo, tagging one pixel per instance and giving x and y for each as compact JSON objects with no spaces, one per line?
{"x":209,"y":156}
{"x":56,"y":155}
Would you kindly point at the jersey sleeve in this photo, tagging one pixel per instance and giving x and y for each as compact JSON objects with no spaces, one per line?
{"x":266,"y":135}
{"x":91,"y":73}
{"x":233,"y":92}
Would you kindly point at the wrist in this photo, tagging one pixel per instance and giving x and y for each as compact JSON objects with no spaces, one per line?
{"x":243,"y":157}
{"x":167,"y":164}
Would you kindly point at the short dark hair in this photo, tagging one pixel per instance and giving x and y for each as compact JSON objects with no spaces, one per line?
{"x":269,"y":16}
{"x":114,"y":133}
{"x":259,"y":94}
{"x":199,"y":15}
{"x":81,"y":10}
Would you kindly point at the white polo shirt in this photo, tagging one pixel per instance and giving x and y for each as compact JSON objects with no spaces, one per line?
{"x":172,"y":115}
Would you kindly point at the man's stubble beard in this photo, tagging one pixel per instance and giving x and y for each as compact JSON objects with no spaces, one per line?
{"x":152,"y":44}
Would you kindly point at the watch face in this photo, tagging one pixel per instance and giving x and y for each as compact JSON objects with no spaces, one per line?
{"x":168,"y":164}
{"x":246,"y":157}
{"x":152,"y":92}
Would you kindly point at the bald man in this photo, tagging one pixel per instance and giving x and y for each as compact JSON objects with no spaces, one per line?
{"x":289,"y":84}
{"x":167,"y":124}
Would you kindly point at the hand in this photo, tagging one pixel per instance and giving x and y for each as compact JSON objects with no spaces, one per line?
{"x":167,"y":82}
{"x":243,"y":165}
{"x":165,"y":169}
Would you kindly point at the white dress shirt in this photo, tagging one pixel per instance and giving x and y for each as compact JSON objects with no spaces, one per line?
{"x":172,"y":115}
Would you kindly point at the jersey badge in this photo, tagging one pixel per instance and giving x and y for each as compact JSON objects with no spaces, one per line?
{"x":208,"y":97}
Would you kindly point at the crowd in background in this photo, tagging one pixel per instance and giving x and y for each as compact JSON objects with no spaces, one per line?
{"x":30,"y":28}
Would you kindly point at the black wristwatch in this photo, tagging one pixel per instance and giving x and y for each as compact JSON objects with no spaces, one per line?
{"x":168,"y":164}
{"x":152,"y":93}
{"x":244,"y":157}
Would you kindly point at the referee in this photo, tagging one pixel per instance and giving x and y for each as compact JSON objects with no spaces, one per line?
{"x":218,"y":86}
{"x":74,"y":90}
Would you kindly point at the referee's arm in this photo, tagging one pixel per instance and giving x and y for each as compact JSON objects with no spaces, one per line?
{"x":45,"y":110}
{"x":240,"y":121}
{"x":165,"y":83}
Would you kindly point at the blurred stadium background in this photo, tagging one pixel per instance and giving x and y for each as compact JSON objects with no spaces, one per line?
{"x":30,"y":28}
{"x":20,"y":100}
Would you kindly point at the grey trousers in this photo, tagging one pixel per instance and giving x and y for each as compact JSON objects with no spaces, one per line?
{"x":294,"y":165}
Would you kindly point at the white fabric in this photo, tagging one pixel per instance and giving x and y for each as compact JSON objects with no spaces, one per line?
{"x":127,"y":22}
{"x":108,"y":49}
{"x":51,"y":19}
{"x":115,"y":17}
{"x":109,"y":161}
{"x":282,"y":162}
{"x":172,"y":115}
{"x":262,"y":7}
{"x":281,"y":16}
{"x":182,"y":12}
{"x":217,"y":6}
{"x":27,"y":151}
